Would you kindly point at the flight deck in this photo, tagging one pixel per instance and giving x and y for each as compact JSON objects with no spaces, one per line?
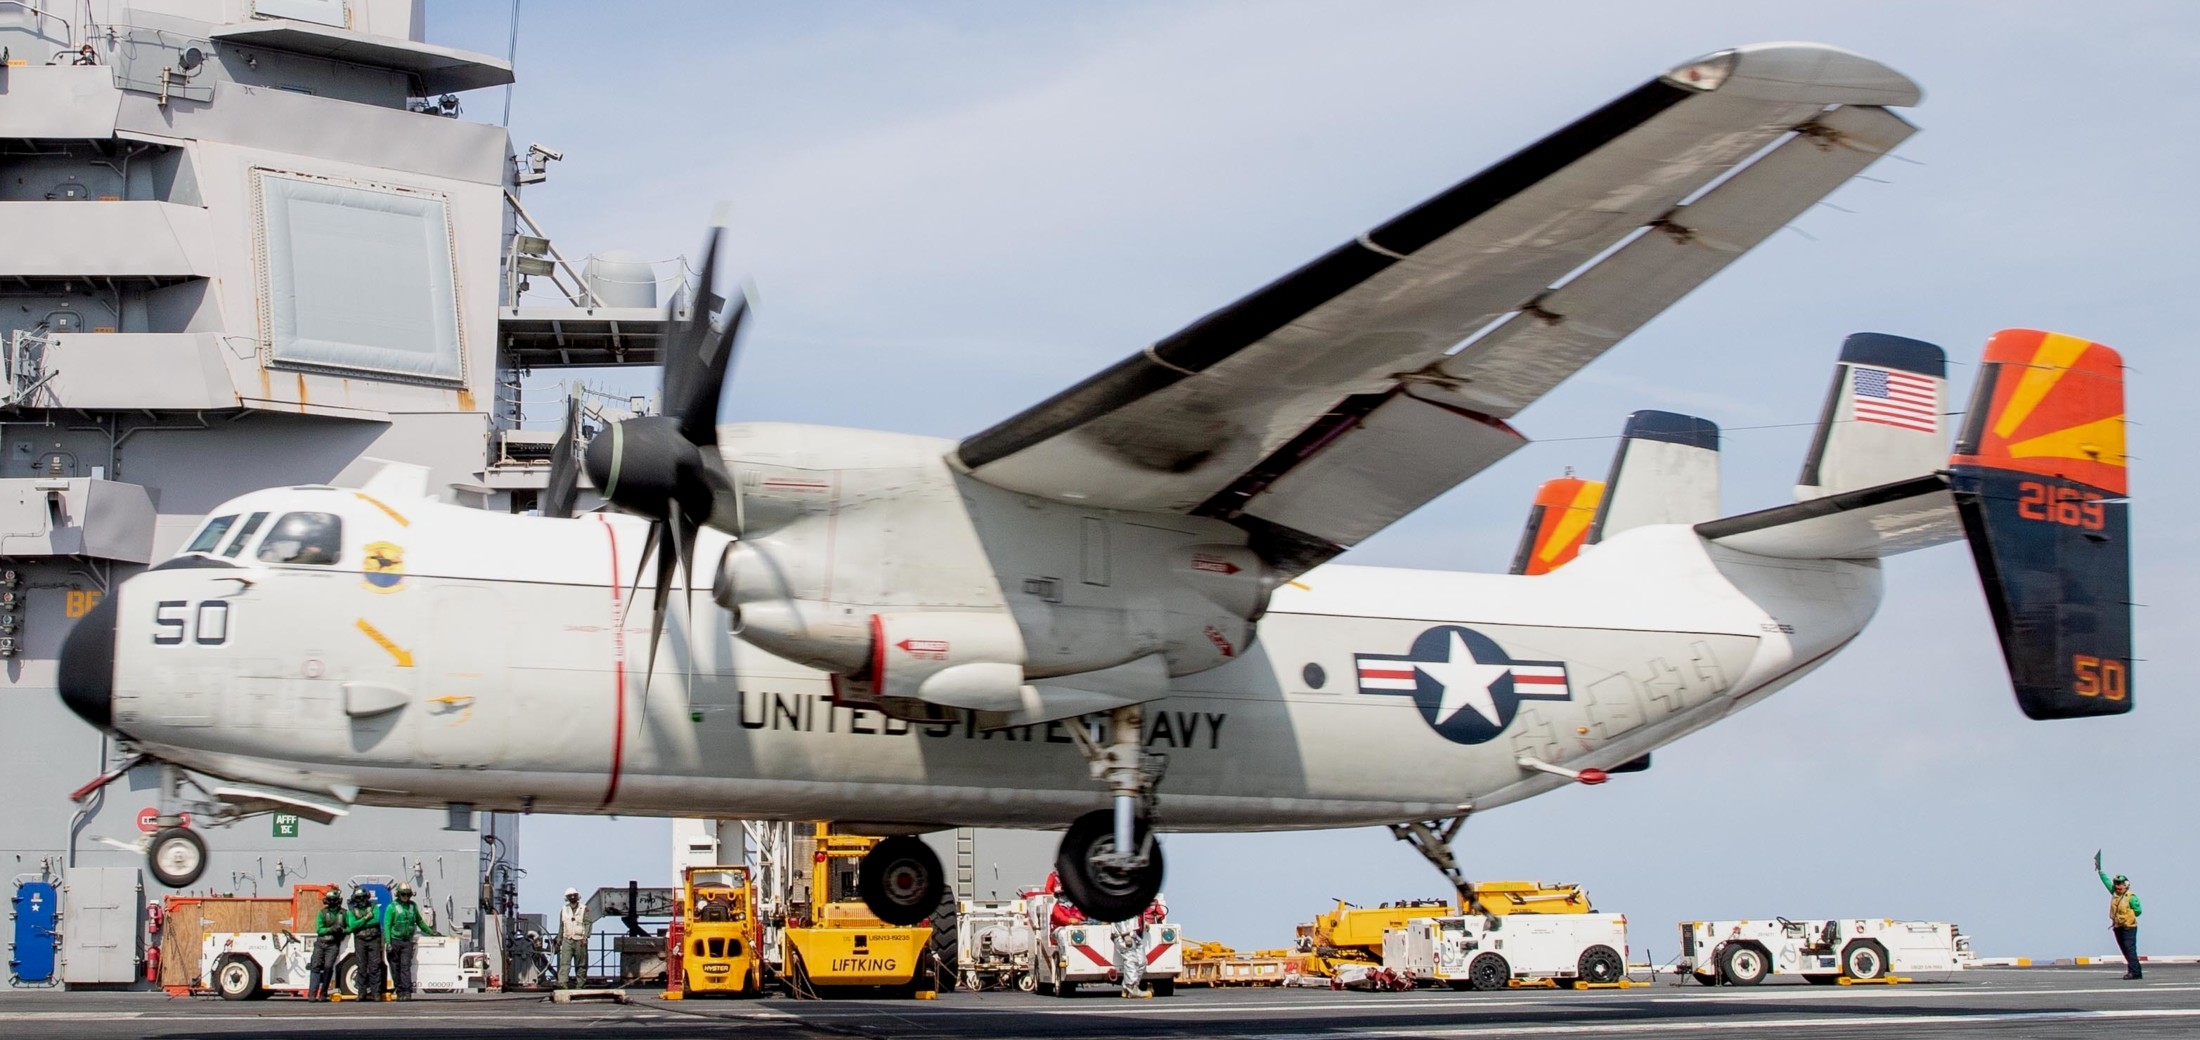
{"x":2036,"y":1002}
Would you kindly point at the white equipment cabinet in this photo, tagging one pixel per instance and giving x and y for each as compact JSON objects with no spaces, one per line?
{"x":1476,"y":952}
{"x":994,"y":945}
{"x":1745,"y":953}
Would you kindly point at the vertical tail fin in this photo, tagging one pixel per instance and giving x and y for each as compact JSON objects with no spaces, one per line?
{"x":1558,"y":524}
{"x":1666,"y":471}
{"x":1882,"y":421}
{"x":2040,"y":482}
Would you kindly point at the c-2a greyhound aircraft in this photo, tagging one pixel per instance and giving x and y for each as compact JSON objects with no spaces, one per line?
{"x":1114,"y":610}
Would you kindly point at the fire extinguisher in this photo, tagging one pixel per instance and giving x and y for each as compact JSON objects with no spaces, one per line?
{"x":153,"y":921}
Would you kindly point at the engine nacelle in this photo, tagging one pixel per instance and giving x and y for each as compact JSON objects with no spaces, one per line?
{"x":918,"y":584}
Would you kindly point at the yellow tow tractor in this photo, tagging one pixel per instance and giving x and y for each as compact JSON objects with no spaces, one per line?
{"x":720,"y":935}
{"x":834,"y":942}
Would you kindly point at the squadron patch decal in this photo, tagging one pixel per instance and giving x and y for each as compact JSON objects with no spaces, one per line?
{"x":384,"y":564}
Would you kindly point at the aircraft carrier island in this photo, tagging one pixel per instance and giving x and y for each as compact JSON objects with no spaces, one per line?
{"x":247,"y":244}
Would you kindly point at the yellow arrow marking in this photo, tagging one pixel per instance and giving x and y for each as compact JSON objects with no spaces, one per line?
{"x":2098,"y":441}
{"x":1573,"y":521}
{"x":404,"y":657}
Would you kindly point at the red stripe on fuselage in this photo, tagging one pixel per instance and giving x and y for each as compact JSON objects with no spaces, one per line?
{"x":1385,"y":673}
{"x":618,"y":668}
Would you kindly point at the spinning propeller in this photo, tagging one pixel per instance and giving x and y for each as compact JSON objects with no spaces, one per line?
{"x":666,"y":467}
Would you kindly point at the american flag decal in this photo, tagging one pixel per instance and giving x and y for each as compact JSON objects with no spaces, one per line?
{"x":1892,"y":397}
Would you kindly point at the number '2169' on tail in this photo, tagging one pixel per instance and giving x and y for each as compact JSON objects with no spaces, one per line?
{"x":2040,"y":482}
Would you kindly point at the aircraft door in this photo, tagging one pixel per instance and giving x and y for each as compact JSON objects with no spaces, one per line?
{"x":465,"y":701}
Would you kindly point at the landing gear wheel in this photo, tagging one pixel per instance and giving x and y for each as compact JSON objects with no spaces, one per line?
{"x":1107,"y":892}
{"x":176,"y":857}
{"x":237,"y":978}
{"x":1488,"y":971}
{"x":901,"y":880}
{"x":1601,"y":964}
{"x":1743,"y":965}
{"x":1864,"y":959}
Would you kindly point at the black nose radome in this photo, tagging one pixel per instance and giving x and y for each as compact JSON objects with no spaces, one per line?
{"x":87,"y":671}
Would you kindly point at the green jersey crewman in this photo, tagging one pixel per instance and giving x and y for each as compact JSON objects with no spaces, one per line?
{"x":365,"y":923}
{"x":328,"y":939}
{"x":402,"y":925}
{"x":2123,"y":917}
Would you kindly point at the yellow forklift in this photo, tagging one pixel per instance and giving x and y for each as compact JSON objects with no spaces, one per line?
{"x":720,"y":936}
{"x":833,"y":942}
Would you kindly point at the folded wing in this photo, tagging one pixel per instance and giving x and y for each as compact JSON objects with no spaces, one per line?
{"x":1328,"y":404}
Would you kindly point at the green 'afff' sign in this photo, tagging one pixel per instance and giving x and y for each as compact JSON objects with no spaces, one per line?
{"x":286,"y":825}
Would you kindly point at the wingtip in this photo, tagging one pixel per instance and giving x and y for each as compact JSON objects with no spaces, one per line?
{"x":1793,"y":70}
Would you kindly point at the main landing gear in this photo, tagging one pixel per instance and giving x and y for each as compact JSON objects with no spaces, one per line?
{"x":1432,"y":839}
{"x":1110,"y":861}
{"x":901,"y":881}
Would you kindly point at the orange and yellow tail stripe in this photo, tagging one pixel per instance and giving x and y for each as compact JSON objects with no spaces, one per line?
{"x":1558,"y":525}
{"x":2050,"y":405}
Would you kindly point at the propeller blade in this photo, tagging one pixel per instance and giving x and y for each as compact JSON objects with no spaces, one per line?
{"x":649,"y":545}
{"x":685,"y":362}
{"x":699,"y":419}
{"x":668,"y":562}
{"x":563,"y":489}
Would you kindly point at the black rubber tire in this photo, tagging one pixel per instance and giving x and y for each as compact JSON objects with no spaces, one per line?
{"x":1488,"y":971}
{"x":901,"y":880}
{"x":945,"y":943}
{"x":1821,"y":980}
{"x":1105,"y":896}
{"x":237,"y":978}
{"x":1864,"y":959}
{"x":1601,"y":964}
{"x":1743,"y":964}
{"x":1164,"y":987}
{"x":346,"y":978}
{"x":176,"y":857}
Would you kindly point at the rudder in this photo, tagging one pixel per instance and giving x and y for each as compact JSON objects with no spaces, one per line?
{"x":2040,"y":481}
{"x":1558,"y":524}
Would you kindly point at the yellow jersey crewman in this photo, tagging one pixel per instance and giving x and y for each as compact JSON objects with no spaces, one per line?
{"x":2123,"y":917}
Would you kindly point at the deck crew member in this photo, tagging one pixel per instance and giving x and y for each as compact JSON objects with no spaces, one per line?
{"x":2123,"y":917}
{"x":365,"y":924}
{"x":328,"y":939}
{"x":403,"y":925}
{"x":573,"y":924}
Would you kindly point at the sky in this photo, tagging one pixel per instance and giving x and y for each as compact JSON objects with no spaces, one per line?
{"x":948,"y":211}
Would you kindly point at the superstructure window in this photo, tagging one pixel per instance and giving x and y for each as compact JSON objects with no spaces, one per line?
{"x":211,"y":535}
{"x":244,"y":534}
{"x":314,"y":539}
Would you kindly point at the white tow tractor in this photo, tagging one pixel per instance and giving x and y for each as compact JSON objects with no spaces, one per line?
{"x":995,"y":945}
{"x":256,"y":965}
{"x":1825,"y":952}
{"x":1478,"y":952}
{"x":1070,"y":955}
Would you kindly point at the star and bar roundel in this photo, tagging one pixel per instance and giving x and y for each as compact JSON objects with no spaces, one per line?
{"x":1467,"y":687}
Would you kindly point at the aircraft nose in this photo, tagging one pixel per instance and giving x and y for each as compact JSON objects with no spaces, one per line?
{"x":87,"y":666}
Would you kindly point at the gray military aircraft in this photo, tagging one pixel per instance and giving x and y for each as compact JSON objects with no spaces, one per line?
{"x":1129,"y":583}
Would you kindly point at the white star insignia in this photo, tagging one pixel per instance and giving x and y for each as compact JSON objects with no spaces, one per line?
{"x":1466,"y":683}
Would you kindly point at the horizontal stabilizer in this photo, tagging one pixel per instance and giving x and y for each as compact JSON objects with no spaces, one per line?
{"x":1666,"y":471}
{"x":1882,"y":420}
{"x":1558,"y":524}
{"x":1852,"y":525}
{"x":2041,"y":481}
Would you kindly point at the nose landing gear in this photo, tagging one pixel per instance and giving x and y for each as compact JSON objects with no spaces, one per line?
{"x":1110,"y":862}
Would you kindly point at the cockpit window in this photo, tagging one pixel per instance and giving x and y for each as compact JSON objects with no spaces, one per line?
{"x":211,"y":535}
{"x":244,"y":534}
{"x":304,"y":538}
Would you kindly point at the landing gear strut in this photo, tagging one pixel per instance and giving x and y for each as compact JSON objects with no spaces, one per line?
{"x":1432,"y":839}
{"x":1110,"y":861}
